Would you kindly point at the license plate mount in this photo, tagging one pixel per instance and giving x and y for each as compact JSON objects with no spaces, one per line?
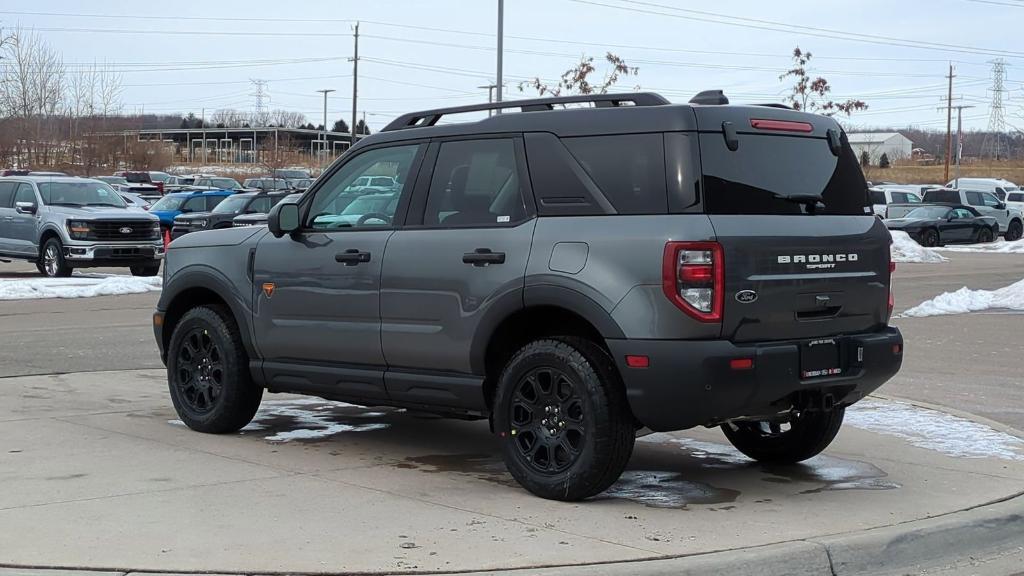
{"x":820,"y":358}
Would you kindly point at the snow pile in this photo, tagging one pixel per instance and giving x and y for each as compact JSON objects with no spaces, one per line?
{"x":998,"y":247}
{"x":966,"y":300}
{"x":906,"y":249}
{"x":76,"y":286}
{"x":932,"y":430}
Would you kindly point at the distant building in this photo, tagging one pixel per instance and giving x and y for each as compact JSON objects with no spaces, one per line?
{"x":894,"y":145}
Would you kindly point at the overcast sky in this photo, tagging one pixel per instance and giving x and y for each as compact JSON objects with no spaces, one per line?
{"x":184,"y":55}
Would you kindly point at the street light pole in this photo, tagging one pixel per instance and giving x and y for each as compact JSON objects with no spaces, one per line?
{"x":323,"y":142}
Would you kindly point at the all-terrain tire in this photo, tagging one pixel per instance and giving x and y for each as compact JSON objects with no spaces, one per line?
{"x":208,"y":372}
{"x":582,"y":447}
{"x":807,"y":436}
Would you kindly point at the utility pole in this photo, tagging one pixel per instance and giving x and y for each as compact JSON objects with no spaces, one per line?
{"x":949,"y":121}
{"x":490,"y":95}
{"x":203,"y":122}
{"x":323,"y":144}
{"x":959,"y":136}
{"x":501,"y":38}
{"x":355,"y":83}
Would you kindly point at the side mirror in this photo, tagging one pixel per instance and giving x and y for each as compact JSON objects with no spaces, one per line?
{"x":1001,"y":206}
{"x":25,"y":207}
{"x":283,"y":219}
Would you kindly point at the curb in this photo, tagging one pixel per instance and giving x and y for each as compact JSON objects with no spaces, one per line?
{"x":998,"y":426}
{"x":955,"y":540}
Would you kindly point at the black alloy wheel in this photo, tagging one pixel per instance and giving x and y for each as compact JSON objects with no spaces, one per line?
{"x":547,"y":414}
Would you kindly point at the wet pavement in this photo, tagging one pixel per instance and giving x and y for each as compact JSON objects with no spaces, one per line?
{"x":98,"y":472}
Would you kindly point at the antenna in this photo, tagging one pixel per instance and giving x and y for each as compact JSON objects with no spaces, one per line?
{"x":995,"y":145}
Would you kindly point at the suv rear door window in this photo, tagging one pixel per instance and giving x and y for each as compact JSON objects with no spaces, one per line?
{"x":948,"y":196}
{"x":757,"y":176}
{"x":905,"y":198}
{"x":974,"y":198}
{"x":7,"y":194}
{"x":628,"y":168}
{"x":878,"y":196}
{"x":1012,"y":197}
{"x":475,"y":183}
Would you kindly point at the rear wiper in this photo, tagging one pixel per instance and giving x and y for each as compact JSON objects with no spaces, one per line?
{"x":812,"y":202}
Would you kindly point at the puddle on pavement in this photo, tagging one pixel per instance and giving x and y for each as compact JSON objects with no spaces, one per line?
{"x":666,"y":490}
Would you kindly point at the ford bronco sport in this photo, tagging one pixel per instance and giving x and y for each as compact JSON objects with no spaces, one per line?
{"x":573,"y":274}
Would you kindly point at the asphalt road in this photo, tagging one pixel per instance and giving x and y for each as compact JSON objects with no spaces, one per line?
{"x":969,"y":362}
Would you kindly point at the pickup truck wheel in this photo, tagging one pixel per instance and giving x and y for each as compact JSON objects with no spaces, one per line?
{"x":985,"y":236}
{"x":1014,"y":231}
{"x":561,"y":411}
{"x":804,"y":436}
{"x":53,"y":263}
{"x":146,"y":270}
{"x":930,"y":238}
{"x":208,"y":372}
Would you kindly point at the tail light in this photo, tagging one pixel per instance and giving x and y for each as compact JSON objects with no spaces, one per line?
{"x":693,"y":278}
{"x":892,"y":298}
{"x":159,"y":187}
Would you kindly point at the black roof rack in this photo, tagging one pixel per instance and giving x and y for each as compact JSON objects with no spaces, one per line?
{"x":431,"y":117}
{"x":776,"y":105}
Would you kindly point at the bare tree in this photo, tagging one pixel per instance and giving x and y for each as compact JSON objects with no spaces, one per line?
{"x":287,"y":118}
{"x":32,"y":84}
{"x":811,"y":94}
{"x":576,"y":80}
{"x":229,"y":118}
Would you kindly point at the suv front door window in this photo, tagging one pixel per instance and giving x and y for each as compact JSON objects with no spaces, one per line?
{"x":461,"y":256}
{"x":22,"y":226}
{"x":324,"y":304}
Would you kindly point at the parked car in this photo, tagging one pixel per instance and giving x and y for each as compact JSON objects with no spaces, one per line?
{"x":290,"y":174}
{"x":549,"y":276}
{"x":1011,"y":221}
{"x":373,"y":184}
{"x":997,"y":186}
{"x":217,"y":183}
{"x":175,"y":203}
{"x":46,"y":174}
{"x":222,"y":215}
{"x":882,"y":197}
{"x":141,"y":178}
{"x":937,"y":224}
{"x":157,"y":176}
{"x":243,"y":220}
{"x":268,"y":184}
{"x":13,"y":172}
{"x":134,"y":200}
{"x":302,"y":183}
{"x":63,"y":223}
{"x":121,"y":184}
{"x":1015,"y":200}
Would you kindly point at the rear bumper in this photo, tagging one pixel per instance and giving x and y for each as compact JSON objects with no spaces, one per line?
{"x":691,"y":383}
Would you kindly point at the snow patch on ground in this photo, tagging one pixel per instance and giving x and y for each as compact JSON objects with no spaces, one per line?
{"x":310,"y":419}
{"x":997,"y":247}
{"x":906,"y":249}
{"x":932,"y":430}
{"x":84,"y":286}
{"x":966,"y":300}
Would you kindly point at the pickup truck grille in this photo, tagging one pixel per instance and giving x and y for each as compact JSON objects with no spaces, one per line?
{"x":123,"y":230}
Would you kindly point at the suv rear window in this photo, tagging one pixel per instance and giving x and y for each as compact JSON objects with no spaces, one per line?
{"x":629,"y":169}
{"x":751,"y":179}
{"x":948,"y":196}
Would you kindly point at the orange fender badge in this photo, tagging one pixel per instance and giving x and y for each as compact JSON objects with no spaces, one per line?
{"x":268,"y":288}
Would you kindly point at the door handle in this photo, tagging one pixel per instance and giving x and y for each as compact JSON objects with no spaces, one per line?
{"x":352,"y":257}
{"x":483,"y":257}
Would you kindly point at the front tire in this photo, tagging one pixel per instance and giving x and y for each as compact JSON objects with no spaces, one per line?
{"x":930,"y":238}
{"x":1014,"y":231}
{"x":145,"y":270}
{"x":804,"y":436}
{"x":561,"y":410}
{"x":208,"y":372}
{"x":52,"y":262}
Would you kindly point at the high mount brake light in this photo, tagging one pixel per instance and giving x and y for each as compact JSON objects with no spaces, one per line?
{"x":781,"y":125}
{"x":693,"y":278}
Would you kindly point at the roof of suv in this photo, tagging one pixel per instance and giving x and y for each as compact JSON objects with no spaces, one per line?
{"x":45,"y":178}
{"x":611,"y":113}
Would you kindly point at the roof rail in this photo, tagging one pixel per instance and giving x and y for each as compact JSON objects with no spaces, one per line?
{"x":712,"y":97}
{"x":776,"y":105}
{"x":431,"y":117}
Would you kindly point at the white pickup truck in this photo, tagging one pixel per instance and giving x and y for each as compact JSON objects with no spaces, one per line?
{"x":883,"y":196}
{"x":1010,"y":219}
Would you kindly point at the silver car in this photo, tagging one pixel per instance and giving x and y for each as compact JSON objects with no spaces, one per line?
{"x":63,"y":223}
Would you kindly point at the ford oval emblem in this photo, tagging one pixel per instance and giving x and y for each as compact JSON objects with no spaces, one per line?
{"x":746,"y":296}
{"x":126,"y":230}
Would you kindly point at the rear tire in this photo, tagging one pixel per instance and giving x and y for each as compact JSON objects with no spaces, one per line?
{"x":561,"y":411}
{"x":208,"y":372}
{"x":52,"y":262}
{"x":145,"y":270}
{"x":930,"y":238}
{"x":1014,"y":231}
{"x":985,"y":235}
{"x":808,"y":434}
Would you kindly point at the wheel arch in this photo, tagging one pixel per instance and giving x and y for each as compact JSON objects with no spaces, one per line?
{"x":202,"y":287}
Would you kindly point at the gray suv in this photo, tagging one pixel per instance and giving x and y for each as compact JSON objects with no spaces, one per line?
{"x":63,"y":223}
{"x":574,"y":275}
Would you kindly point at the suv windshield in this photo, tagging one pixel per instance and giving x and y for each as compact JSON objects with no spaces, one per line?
{"x":765,"y":170}
{"x":232,"y":205}
{"x":84,"y":193}
{"x":928,"y":213}
{"x":168,"y":203}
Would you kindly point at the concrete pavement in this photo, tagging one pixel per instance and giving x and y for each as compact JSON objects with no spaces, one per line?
{"x":97,"y":473}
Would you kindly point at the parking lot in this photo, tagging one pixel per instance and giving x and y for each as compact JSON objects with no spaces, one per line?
{"x":322,"y":487}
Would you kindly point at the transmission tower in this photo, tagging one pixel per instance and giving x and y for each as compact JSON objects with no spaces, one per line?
{"x":260,"y":115}
{"x":995,"y":145}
